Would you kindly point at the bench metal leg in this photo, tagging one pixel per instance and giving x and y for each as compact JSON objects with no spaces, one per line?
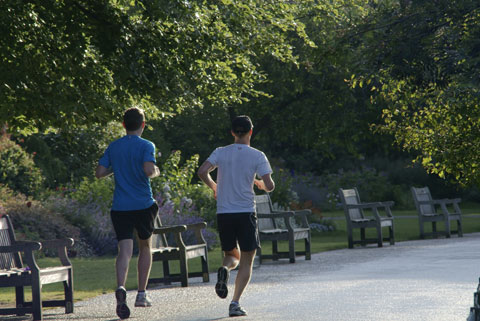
{"x":459,"y":227}
{"x":166,"y":272}
{"x":275,"y":250}
{"x":68,"y":290}
{"x":20,"y":298}
{"x":184,"y":270}
{"x":422,"y":233}
{"x":379,"y":236}
{"x":36,"y":298}
{"x":308,"y":255}
{"x":291,"y":248}
{"x":350,"y":239}
{"x":391,"y":230}
{"x":206,"y":275}
{"x":434,"y":229}
{"x":448,"y":231}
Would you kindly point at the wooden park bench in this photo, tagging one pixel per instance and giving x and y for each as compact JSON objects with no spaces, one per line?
{"x":164,"y":252}
{"x":13,"y":272}
{"x":284,"y":230}
{"x":356,"y":219}
{"x":427,"y":212}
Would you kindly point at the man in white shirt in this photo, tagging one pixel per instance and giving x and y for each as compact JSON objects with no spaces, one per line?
{"x":237,"y":164}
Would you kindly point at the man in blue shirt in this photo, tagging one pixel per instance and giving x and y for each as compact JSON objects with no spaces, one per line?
{"x":131,"y":159}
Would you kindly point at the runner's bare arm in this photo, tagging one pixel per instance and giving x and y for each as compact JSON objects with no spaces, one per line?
{"x":266,"y":183}
{"x":102,"y":171}
{"x":150,"y":169}
{"x":204,"y":174}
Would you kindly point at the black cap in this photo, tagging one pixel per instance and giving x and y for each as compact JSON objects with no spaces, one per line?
{"x":242,"y":124}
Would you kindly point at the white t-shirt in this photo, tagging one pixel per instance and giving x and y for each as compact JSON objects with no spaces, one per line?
{"x":237,"y":165}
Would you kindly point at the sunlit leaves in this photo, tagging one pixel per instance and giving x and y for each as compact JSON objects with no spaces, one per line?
{"x":66,"y":64}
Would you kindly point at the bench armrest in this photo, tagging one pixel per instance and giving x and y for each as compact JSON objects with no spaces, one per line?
{"x":302,"y":214}
{"x":60,"y":245}
{"x":54,"y":244}
{"x":170,"y":229}
{"x":27,"y":247}
{"x":21,"y":246}
{"x":197,"y":229}
{"x":371,"y":205}
{"x":196,"y":226}
{"x":276,"y":215}
{"x":374,"y":206}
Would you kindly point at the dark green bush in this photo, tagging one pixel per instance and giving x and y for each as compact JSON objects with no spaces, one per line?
{"x":17,"y":168}
{"x":33,"y":221}
{"x":204,"y":202}
{"x":69,"y":156}
{"x":283,"y":194}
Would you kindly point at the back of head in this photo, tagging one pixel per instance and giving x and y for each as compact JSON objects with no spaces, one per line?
{"x":133,"y":118}
{"x":241,"y":125}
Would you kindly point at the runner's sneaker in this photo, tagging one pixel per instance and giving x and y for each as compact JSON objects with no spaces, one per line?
{"x":123,"y":311}
{"x":143,"y":300}
{"x":222,"y":281}
{"x":235,"y":310}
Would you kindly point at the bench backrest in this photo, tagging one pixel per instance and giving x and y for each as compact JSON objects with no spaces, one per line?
{"x":422,"y":194}
{"x":350,"y":197}
{"x":7,"y":237}
{"x":159,"y":240}
{"x":263,"y":205}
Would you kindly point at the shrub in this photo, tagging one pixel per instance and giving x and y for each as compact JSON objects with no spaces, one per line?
{"x":35,"y":222}
{"x":204,"y":202}
{"x":372,"y":186}
{"x":69,"y":156}
{"x":175,"y":177}
{"x":283,"y":194}
{"x":92,"y":190}
{"x":92,"y":218}
{"x":53,"y":169}
{"x":17,"y":168}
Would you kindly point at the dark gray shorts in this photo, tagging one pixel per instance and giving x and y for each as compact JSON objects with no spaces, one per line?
{"x":124,"y":222}
{"x":241,"y":228}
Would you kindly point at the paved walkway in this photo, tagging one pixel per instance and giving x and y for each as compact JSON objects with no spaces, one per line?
{"x":415,"y":280}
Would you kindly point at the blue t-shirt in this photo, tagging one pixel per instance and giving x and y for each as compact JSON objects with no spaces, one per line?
{"x":132,"y":187}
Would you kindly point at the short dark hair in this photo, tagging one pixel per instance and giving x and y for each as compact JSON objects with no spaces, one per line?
{"x":241,"y":125}
{"x":133,"y":118}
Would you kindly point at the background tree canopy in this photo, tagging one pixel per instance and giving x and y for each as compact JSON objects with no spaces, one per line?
{"x":71,"y":63}
{"x":316,"y":77}
{"x":422,"y":65}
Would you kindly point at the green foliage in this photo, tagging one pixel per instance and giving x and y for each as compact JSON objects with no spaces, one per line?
{"x":17,"y":168}
{"x":283,"y":193}
{"x":91,"y":190}
{"x":53,"y":169}
{"x":80,"y":63}
{"x":371,"y":185}
{"x":423,"y":57}
{"x":67,"y":156}
{"x":175,"y":179}
{"x":204,"y":202}
{"x":34,"y":221}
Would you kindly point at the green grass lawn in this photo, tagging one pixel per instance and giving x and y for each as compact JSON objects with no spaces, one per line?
{"x":96,"y":276}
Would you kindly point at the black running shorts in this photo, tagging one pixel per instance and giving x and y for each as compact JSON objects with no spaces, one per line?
{"x":241,"y":228}
{"x":124,"y":222}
